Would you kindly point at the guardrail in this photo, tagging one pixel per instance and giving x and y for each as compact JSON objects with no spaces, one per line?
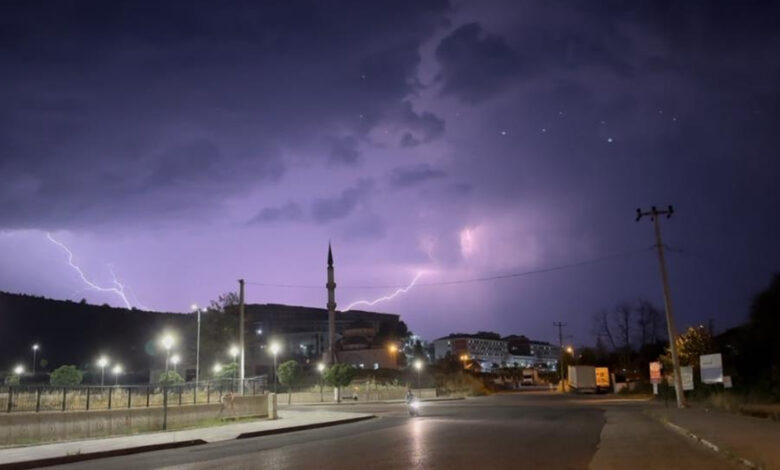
{"x":36,"y":398}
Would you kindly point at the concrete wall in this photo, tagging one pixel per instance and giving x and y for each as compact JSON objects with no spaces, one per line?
{"x":348,"y":393}
{"x":28,"y":428}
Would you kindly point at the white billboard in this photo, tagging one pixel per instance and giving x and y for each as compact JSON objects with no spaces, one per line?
{"x":711,"y":368}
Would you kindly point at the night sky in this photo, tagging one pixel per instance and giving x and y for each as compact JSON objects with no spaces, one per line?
{"x":184,"y":145}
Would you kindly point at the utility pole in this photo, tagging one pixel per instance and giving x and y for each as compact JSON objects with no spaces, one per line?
{"x":331,"y":286}
{"x":560,"y":353}
{"x":241,"y":335}
{"x":654,"y":214}
{"x":197,"y":358}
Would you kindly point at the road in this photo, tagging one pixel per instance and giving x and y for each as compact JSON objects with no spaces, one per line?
{"x":522,"y":430}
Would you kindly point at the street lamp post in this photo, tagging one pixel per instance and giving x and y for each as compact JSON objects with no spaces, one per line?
{"x":117,"y":370}
{"x":418,"y":364}
{"x":175,"y":359}
{"x":234,"y":352}
{"x":197,"y":351}
{"x":167,"y":342}
{"x":35,"y":353}
{"x":321,"y":369}
{"x":275,"y":350}
{"x":102,"y":363}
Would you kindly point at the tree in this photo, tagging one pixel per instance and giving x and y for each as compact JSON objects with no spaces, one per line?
{"x":228,"y":372}
{"x":66,"y":376}
{"x":695,"y":342}
{"x":170,"y":377}
{"x":601,"y":328}
{"x":763,"y":347}
{"x":623,"y":322}
{"x":650,"y":323}
{"x":219,"y":325}
{"x":290,"y":373}
{"x":339,"y":375}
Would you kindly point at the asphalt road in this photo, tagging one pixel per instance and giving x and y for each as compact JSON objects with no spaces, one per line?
{"x":524,"y":430}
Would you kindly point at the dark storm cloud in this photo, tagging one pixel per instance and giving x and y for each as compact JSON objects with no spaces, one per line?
{"x":476,"y":64}
{"x":111,"y":105}
{"x":404,"y":177}
{"x":424,"y":127}
{"x":329,"y":209}
{"x":287,"y":212}
{"x":344,"y":150}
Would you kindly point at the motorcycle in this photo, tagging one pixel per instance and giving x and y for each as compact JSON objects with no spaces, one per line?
{"x":414,"y":407}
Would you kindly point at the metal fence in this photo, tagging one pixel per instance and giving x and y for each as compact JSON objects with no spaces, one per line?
{"x":34,"y":398}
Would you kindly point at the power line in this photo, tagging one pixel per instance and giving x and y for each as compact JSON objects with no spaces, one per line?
{"x":468,"y":280}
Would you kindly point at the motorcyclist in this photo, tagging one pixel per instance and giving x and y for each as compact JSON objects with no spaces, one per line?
{"x":409,"y":396}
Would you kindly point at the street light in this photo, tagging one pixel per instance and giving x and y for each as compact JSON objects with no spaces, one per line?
{"x":570,"y":350}
{"x":418,"y":364}
{"x":35,"y":348}
{"x":321,"y":369}
{"x":18,"y":370}
{"x":394,"y":352}
{"x":197,"y":351}
{"x":167,"y":342}
{"x":102,"y":363}
{"x":175,"y":360}
{"x":275,"y":350}
{"x":117,"y":370}
{"x":217,"y":369}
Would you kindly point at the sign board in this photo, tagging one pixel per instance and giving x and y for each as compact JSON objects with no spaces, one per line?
{"x":602,"y":377}
{"x":711,"y":368}
{"x":655,"y":373}
{"x":686,"y":372}
{"x":727,"y":381}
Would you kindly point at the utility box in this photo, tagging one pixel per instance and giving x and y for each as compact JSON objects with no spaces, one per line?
{"x":272,"y":406}
{"x":582,"y":378}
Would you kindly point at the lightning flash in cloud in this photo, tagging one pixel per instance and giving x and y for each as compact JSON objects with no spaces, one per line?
{"x":399,"y":291}
{"x":119,"y":289}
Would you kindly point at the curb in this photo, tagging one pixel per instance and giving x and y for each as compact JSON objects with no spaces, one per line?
{"x":704,"y":442}
{"x":303,"y":427}
{"x":66,"y":459}
{"x":99,"y":455}
{"x":374,"y":402}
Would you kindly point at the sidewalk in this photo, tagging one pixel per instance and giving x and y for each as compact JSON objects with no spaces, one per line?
{"x":284,"y":404}
{"x":65,"y":452}
{"x":754,"y":442}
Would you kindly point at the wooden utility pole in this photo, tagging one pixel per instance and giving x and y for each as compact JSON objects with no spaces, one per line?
{"x":654,"y":214}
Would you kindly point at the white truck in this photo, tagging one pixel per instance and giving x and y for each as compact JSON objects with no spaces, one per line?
{"x":588,"y":378}
{"x":530,"y":377}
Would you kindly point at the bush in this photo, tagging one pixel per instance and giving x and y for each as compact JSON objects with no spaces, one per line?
{"x":170,"y":378}
{"x":340,"y":375}
{"x":460,"y":384}
{"x":12,"y":380}
{"x":66,"y":376}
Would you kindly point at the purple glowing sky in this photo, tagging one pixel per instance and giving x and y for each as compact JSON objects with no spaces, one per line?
{"x":185,"y":146}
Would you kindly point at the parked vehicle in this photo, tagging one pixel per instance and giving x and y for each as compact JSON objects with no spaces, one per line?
{"x":530,"y":377}
{"x":588,"y":378}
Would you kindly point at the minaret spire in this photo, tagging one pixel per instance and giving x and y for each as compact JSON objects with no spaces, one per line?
{"x":331,"y":285}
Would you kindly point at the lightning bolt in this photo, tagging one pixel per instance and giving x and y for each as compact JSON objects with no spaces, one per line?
{"x":399,"y":291}
{"x":118,"y":288}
